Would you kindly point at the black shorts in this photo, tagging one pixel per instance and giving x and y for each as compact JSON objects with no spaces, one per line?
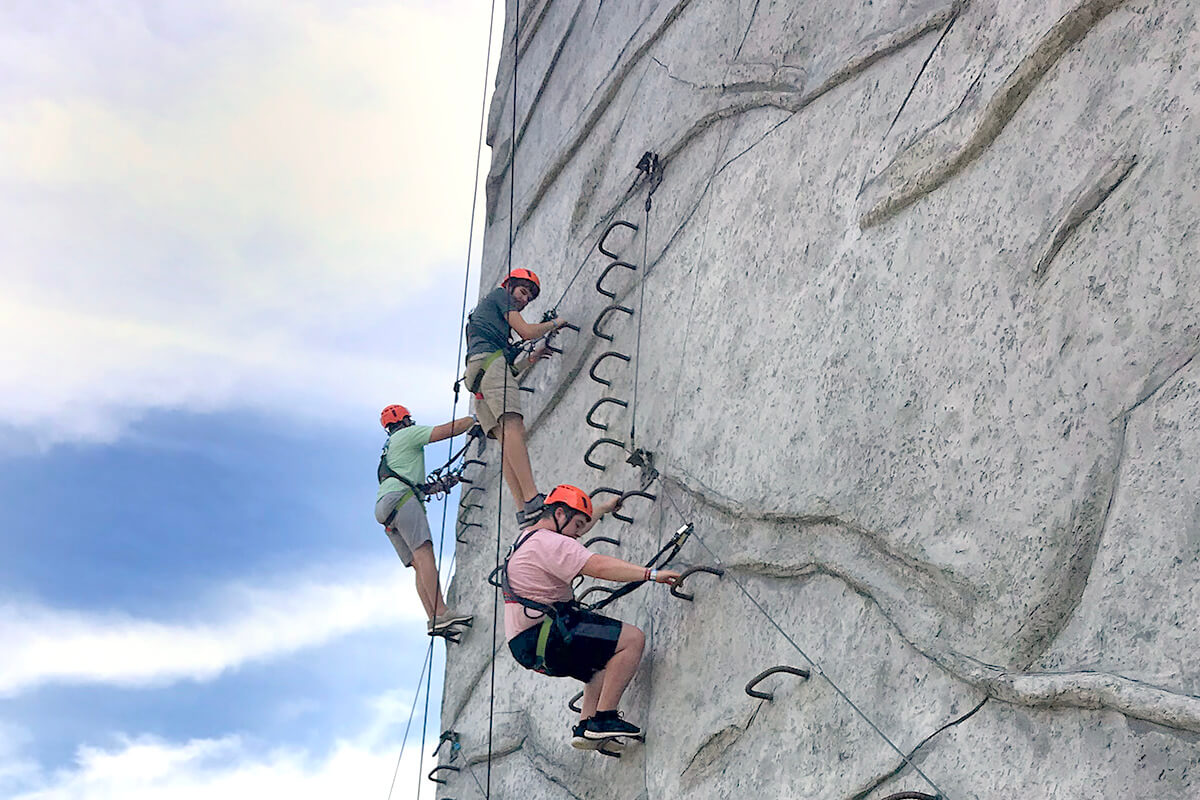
{"x":578,"y":648}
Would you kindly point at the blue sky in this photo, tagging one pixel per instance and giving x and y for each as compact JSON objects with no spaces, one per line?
{"x":231,"y":233}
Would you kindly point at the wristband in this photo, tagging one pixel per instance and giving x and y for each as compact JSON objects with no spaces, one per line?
{"x":654,"y":575}
{"x":646,"y":575}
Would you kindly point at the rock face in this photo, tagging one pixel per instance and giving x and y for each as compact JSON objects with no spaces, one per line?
{"x":915,"y":317}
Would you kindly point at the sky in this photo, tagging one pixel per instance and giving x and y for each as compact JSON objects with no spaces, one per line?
{"x":231,"y":231}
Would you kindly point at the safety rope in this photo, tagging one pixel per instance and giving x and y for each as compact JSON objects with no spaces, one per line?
{"x":467,"y":278}
{"x":512,"y":183}
{"x":587,"y":254}
{"x":425,"y":713}
{"x":428,"y":674}
{"x":641,"y":312}
{"x":474,"y":777}
{"x":411,"y":711}
{"x":815,"y":666}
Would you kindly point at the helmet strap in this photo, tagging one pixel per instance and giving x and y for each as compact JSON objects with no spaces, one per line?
{"x":558,"y":528}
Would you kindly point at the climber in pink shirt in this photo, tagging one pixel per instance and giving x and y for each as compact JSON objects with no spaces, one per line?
{"x":550,"y":633}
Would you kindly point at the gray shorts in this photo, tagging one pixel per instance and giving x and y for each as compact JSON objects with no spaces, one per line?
{"x":409,"y":529}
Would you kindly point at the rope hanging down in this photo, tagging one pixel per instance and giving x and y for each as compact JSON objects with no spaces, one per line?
{"x":512,"y":182}
{"x":425,"y":662}
{"x":442,"y":480}
{"x":652,"y":168}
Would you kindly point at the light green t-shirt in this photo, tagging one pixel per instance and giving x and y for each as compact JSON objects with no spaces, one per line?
{"x":406,"y":456}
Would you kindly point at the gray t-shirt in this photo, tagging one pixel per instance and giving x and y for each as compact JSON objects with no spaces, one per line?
{"x":487,"y":326}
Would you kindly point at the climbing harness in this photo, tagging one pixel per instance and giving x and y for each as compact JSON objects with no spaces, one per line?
{"x":659,"y":560}
{"x":509,"y":354}
{"x":438,"y":483}
{"x":554,"y":615}
{"x":514,"y":351}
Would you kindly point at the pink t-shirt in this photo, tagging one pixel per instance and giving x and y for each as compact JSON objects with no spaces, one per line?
{"x":541,"y":570}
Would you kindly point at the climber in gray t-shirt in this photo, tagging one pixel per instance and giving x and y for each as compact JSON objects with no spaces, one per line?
{"x":492,"y":377}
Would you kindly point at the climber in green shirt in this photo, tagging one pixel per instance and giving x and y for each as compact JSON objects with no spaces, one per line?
{"x":400,"y":506}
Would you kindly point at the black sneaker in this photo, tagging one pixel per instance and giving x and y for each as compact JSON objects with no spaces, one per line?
{"x":579,"y":741}
{"x":609,"y":725}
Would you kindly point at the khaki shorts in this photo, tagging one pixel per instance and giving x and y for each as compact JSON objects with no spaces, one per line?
{"x":500,"y":390}
{"x":409,"y":529}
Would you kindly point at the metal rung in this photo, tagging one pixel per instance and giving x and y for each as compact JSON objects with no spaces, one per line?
{"x":587,"y":457}
{"x":558,"y":350}
{"x":593,"y":590}
{"x":600,"y":281}
{"x":635,"y":493}
{"x":675,"y":590}
{"x":604,"y":237}
{"x":436,"y":770}
{"x":750,"y":690}
{"x":599,"y":359}
{"x":493,"y":577}
{"x":604,"y":312}
{"x":596,"y":539}
{"x":603,"y":425}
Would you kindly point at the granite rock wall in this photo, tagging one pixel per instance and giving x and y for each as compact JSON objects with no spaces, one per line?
{"x":913,"y":345}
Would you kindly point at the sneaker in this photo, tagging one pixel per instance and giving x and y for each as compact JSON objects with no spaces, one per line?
{"x":579,"y":741}
{"x":532,"y":510}
{"x":609,"y":725}
{"x":448,"y":619}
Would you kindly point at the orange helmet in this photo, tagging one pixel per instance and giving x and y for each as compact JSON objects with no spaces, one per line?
{"x":572,"y":497}
{"x":393,"y":414}
{"x":525,"y":275}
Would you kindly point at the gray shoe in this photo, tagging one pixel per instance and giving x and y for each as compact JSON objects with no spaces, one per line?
{"x":448,"y":619}
{"x":531,"y":511}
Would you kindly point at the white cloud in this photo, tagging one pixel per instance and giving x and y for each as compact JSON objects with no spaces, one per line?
{"x":88,"y":373}
{"x":45,"y":645}
{"x":15,"y":767}
{"x":235,"y":768}
{"x":226,"y":219}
